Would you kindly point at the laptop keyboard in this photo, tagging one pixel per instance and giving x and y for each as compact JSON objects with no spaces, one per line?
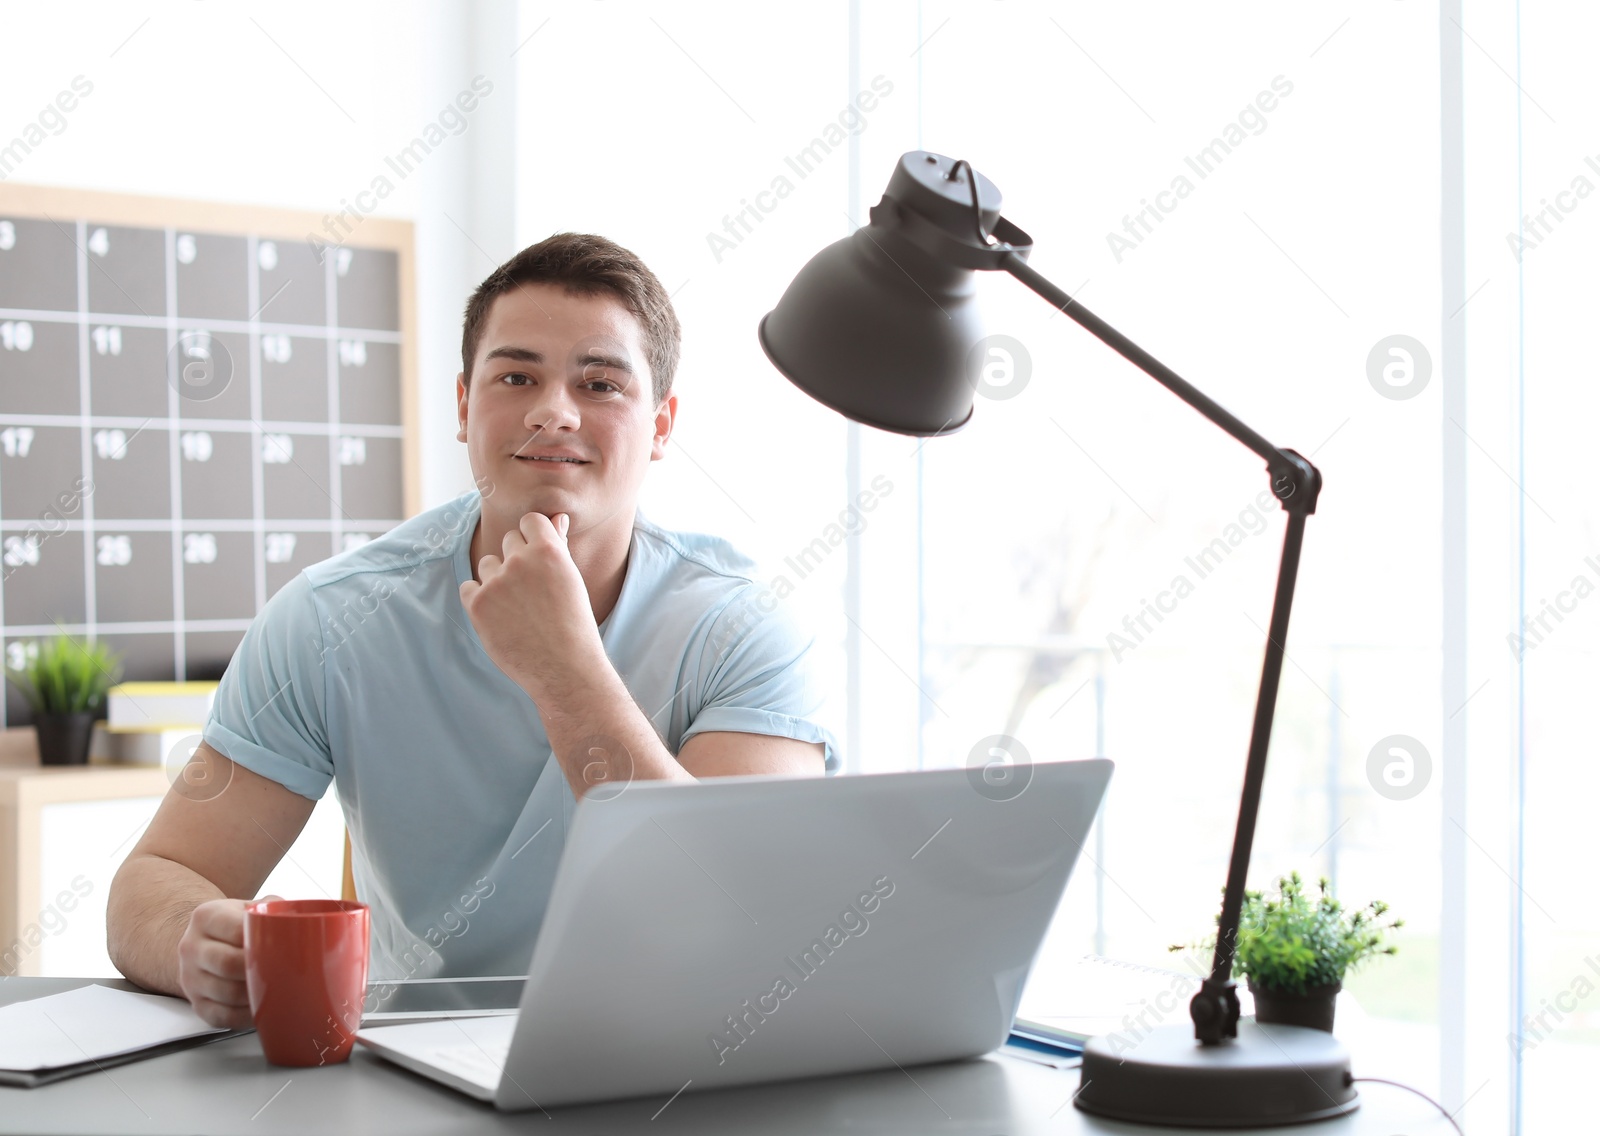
{"x":479,"y":1063}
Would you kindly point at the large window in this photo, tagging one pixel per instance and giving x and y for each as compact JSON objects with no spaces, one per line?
{"x":1096,"y":561}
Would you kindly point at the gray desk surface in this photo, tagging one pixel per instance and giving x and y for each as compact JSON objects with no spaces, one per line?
{"x":228,"y":1087}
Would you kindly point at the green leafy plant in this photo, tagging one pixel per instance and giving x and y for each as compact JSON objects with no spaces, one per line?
{"x":1295,"y":942}
{"x":63,"y":676}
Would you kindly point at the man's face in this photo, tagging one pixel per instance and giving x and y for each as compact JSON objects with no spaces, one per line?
{"x":559,"y":376}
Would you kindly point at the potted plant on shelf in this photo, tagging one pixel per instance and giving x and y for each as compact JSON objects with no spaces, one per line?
{"x":1294,"y":950}
{"x":65,"y":683}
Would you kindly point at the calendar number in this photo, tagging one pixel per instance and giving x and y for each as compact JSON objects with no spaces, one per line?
{"x":277,"y":449}
{"x":199,"y":548}
{"x":276,"y":348}
{"x":107,"y":340}
{"x":16,"y":441}
{"x":186,"y":248}
{"x":352,"y":352}
{"x":21,"y":550}
{"x":352,"y":451}
{"x":113,"y":551}
{"x":196,"y":446}
{"x":99,"y":242}
{"x":8,"y":236}
{"x":16,"y":335}
{"x":111,"y":445}
{"x":280,"y":547}
{"x":196,"y":344}
{"x":267,"y":255}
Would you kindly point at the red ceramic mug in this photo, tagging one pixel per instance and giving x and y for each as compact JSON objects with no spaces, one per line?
{"x":305,"y":966}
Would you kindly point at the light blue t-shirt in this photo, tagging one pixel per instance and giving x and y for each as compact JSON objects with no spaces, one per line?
{"x":365,"y":670}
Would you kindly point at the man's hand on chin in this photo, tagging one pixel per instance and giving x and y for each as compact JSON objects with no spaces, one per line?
{"x":531,"y":608}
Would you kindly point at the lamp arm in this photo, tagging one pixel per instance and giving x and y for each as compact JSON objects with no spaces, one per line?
{"x":1215,"y":1009}
{"x":1141,"y":358}
{"x":1296,"y":483}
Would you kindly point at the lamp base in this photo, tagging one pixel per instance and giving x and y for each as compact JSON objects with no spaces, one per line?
{"x":1268,"y":1075}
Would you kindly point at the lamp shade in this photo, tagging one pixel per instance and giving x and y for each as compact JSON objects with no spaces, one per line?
{"x":879,"y":325}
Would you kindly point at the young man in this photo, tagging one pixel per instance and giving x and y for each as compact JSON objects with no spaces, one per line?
{"x":465,"y":678}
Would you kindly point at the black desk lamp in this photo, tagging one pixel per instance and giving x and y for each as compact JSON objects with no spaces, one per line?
{"x":880,"y":326}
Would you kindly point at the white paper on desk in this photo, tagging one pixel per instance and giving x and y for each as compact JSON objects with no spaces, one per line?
{"x":91,"y":1023}
{"x":1091,"y":995}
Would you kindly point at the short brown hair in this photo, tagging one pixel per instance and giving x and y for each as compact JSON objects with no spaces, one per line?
{"x":586,"y":265}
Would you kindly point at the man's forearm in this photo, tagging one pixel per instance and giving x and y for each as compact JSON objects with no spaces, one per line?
{"x":146,"y":914}
{"x":597,"y":731}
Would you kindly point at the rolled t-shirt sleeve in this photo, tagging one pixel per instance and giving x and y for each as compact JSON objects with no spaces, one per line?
{"x":269,"y":714}
{"x":760,"y":677}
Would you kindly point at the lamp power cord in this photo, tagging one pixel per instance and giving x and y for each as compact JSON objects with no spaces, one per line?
{"x":1419,"y":1092}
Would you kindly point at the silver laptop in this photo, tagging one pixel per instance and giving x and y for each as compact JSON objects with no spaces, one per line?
{"x":747,"y":929}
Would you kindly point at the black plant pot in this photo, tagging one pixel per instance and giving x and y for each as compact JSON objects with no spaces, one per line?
{"x":1313,"y":1009}
{"x":64,"y":738}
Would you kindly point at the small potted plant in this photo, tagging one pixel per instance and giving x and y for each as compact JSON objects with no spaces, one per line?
{"x":1294,"y":950}
{"x":65,"y":683}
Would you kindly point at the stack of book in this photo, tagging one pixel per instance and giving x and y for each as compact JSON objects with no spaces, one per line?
{"x":146,"y":721}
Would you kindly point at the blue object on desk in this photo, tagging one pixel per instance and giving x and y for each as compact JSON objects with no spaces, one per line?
{"x":1044,"y":1042}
